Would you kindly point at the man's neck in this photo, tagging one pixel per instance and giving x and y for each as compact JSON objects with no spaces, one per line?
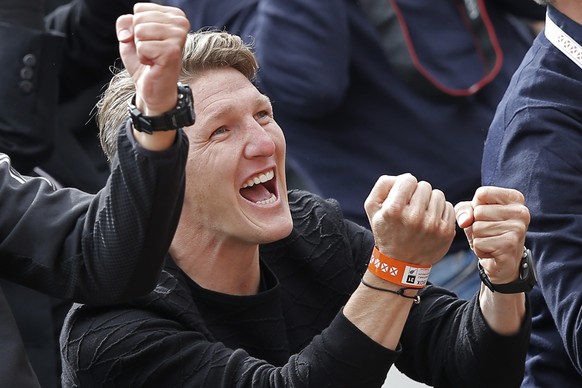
{"x":216,"y":265}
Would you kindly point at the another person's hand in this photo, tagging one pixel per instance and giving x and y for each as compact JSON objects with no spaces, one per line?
{"x":495,"y":222}
{"x":411,"y":221}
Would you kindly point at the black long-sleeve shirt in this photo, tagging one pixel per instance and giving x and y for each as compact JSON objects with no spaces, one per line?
{"x":292,"y":333}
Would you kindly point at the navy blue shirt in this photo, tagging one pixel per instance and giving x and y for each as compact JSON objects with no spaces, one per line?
{"x":347,"y":116}
{"x":535,"y":145}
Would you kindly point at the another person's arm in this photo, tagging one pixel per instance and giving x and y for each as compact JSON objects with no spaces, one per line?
{"x":545,"y":148}
{"x":68,"y":243}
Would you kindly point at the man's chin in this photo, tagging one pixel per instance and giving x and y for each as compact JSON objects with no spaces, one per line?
{"x":276,"y":229}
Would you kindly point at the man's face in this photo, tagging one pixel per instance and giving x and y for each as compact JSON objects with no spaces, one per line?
{"x":235,"y":184}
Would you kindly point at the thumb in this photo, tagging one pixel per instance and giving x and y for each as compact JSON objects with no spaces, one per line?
{"x":464,"y":214}
{"x":378,"y":195}
{"x":124,"y":28}
{"x":127,"y":48}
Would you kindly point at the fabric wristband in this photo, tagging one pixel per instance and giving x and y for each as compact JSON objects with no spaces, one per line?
{"x":398,"y":272}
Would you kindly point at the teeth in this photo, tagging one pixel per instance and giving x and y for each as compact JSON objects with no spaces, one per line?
{"x":262,"y":178}
{"x":266,"y":201}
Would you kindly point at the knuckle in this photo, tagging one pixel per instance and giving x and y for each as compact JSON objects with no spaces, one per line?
{"x":425,"y":185}
{"x":523,"y":214}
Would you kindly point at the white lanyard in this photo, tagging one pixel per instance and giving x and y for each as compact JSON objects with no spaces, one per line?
{"x":563,"y":42}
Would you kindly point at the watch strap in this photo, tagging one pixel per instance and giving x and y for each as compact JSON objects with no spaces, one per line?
{"x":181,"y":116}
{"x":524,"y":283}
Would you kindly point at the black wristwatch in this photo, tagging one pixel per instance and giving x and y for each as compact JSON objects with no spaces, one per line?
{"x":181,"y":116}
{"x":526,"y":281}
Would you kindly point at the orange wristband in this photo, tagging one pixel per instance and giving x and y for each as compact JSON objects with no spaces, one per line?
{"x":398,"y":272}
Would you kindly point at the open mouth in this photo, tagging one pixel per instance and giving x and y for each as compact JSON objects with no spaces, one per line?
{"x":260,"y":189}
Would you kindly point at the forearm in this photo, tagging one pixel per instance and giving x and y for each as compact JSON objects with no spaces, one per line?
{"x":504,"y":313}
{"x":157,"y":141}
{"x":443,"y":335}
{"x":380,"y":315}
{"x":139,"y":212}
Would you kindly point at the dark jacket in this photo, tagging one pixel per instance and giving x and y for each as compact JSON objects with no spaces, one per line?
{"x":90,"y":51}
{"x":52,"y":79}
{"x":535,"y":146}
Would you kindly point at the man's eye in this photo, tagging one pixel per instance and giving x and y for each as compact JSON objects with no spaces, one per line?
{"x":219,"y":131}
{"x":262,"y":115}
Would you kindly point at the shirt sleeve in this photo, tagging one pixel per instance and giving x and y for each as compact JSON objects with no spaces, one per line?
{"x":447,"y":343}
{"x":136,"y":343}
{"x":543,"y":143}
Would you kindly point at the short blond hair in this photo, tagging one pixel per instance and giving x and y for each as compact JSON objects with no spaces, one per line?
{"x":204,"y":50}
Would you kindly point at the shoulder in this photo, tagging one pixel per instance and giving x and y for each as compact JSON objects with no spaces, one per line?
{"x":167,"y":305}
{"x":322,"y":219}
{"x":321,"y":239}
{"x":97,"y":342}
{"x":303,"y":202}
{"x":121,"y":344}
